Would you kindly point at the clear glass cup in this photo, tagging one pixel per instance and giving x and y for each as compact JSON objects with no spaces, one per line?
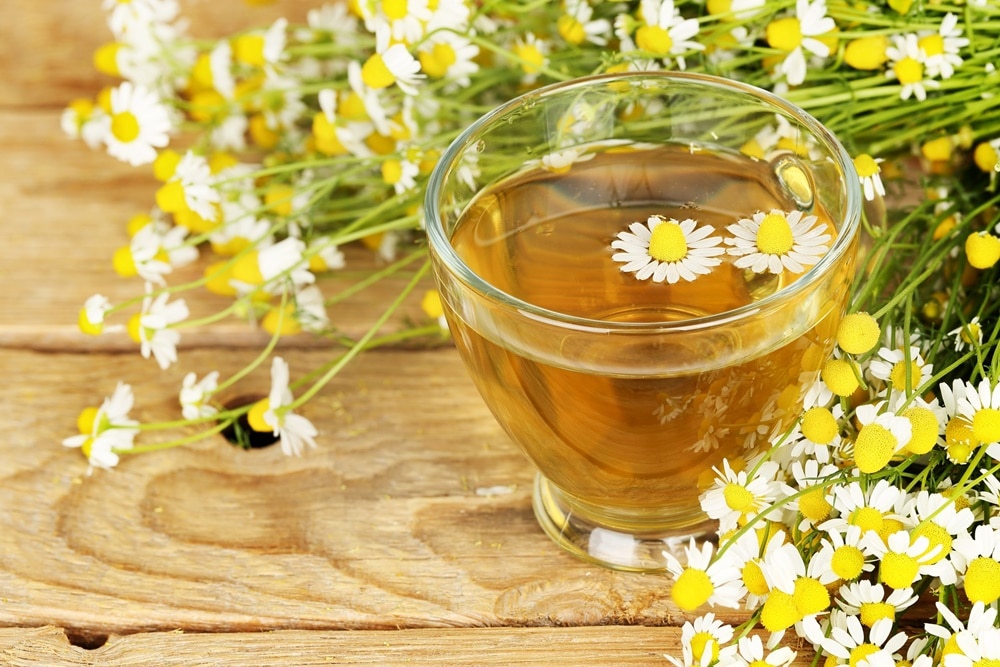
{"x":623,"y":392}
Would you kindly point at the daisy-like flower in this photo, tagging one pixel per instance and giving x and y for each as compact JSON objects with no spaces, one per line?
{"x":264,"y":266}
{"x":795,"y":591}
{"x":704,"y":641}
{"x":907,"y":65}
{"x":450,"y":56}
{"x":124,"y":17}
{"x":273,"y":415}
{"x":980,"y":406}
{"x":981,"y":619}
{"x":868,"y":601}
{"x":935,"y":517}
{"x":151,"y":327}
{"x":903,"y":559}
{"x":868,"y":172}
{"x":904,"y":370}
{"x":392,"y":63}
{"x":137,"y":125}
{"x":778,"y":241}
{"x":816,"y":435}
{"x":195,"y":394}
{"x":847,"y":638}
{"x":577,"y":24}
{"x":942,"y":48}
{"x":152,"y":253}
{"x":664,"y":33}
{"x":880,"y":436}
{"x":533,"y":55}
{"x":979,"y":649}
{"x":881,"y":509}
{"x":968,"y":335}
{"x":977,"y":559}
{"x":560,"y":161}
{"x":106,"y":430}
{"x":91,"y":320}
{"x":703,"y":581}
{"x":750,"y":653}
{"x":193,"y":181}
{"x":404,"y":20}
{"x":814,"y":490}
{"x":797,"y":35}
{"x":737,"y":496}
{"x":668,"y":250}
{"x":843,"y":556}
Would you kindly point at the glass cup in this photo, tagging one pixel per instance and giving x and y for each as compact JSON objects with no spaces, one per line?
{"x":627,"y":363}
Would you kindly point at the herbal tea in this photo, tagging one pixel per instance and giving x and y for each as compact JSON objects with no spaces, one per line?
{"x":633,"y":424}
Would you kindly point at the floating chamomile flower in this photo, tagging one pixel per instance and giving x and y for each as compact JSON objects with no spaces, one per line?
{"x":668,"y":250}
{"x":777,"y":241}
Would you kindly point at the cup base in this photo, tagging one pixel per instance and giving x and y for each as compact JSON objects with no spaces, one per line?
{"x":635,"y":551}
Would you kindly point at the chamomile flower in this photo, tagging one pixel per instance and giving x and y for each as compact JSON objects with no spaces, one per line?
{"x":795,"y":591}
{"x":907,"y":65}
{"x":777,"y":241}
{"x":704,"y":641}
{"x":125,"y":16}
{"x":750,"y":653}
{"x":880,"y":508}
{"x":272,"y":414}
{"x":448,"y":55}
{"x":935,"y":517}
{"x":976,"y":649}
{"x":980,"y":406}
{"x":152,"y":253}
{"x":91,"y":320}
{"x":941,"y":49}
{"x":668,"y":250}
{"x":106,"y":429}
{"x":843,"y":556}
{"x":868,"y":172}
{"x":814,"y":490}
{"x":664,"y":33}
{"x":748,"y":554}
{"x":193,"y":178}
{"x":577,"y":24}
{"x":738,"y":496}
{"x":868,"y":601}
{"x":195,"y":394}
{"x":903,"y":370}
{"x":404,"y":20}
{"x":137,"y":124}
{"x":392,"y":63}
{"x":903,"y":558}
{"x":264,"y":267}
{"x":977,"y":558}
{"x":880,"y":436}
{"x":532,"y":54}
{"x":701,"y":580}
{"x":796,"y":35}
{"x":848,"y":640}
{"x":153,"y":327}
{"x":969,"y":335}
{"x":981,"y":618}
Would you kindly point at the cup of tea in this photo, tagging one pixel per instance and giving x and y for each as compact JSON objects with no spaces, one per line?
{"x":643,"y":273}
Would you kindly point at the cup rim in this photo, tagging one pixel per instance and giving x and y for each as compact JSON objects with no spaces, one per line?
{"x":440,"y":242}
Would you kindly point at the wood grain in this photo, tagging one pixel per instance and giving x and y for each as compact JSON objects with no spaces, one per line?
{"x":552,"y":647}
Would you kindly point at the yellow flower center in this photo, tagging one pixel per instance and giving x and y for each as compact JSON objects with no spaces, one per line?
{"x":774,"y":237}
{"x":281,"y":321}
{"x":165,"y":164}
{"x":784,"y":34}
{"x":86,"y":420}
{"x":779,"y":611}
{"x":134,"y":328}
{"x":932,"y":45}
{"x":738,"y":498}
{"x":986,"y":425}
{"x":909,"y":70}
{"x":667,"y":242}
{"x":249,"y":50}
{"x":866,"y":518}
{"x":692,"y":589}
{"x":874,"y":448}
{"x":936,"y":537}
{"x":376,"y":74}
{"x":217,"y":276}
{"x":982,"y":250}
{"x":392,"y":171}
{"x":702,"y":642}
{"x":531,"y":57}
{"x":395,"y":9}
{"x":982,"y":580}
{"x":753,"y":578}
{"x":170,"y":197}
{"x":876,"y":611}
{"x":924,"y":429}
{"x":123,"y":262}
{"x":810,"y":596}
{"x":654,"y":39}
{"x":814,"y":506}
{"x":716,"y":7}
{"x":839,"y":377}
{"x":898,"y":570}
{"x":959,"y":433}
{"x":431,"y":304}
{"x":435,"y":61}
{"x":867,"y":53}
{"x":986,"y":157}
{"x":860,"y":652}
{"x":246,"y":269}
{"x":900,"y":371}
{"x":325,"y":134}
{"x":255,"y":417}
{"x":571,"y":30}
{"x":847,"y":562}
{"x":939,"y":149}
{"x":278,"y":198}
{"x":125,"y":126}
{"x":106,"y":58}
{"x":866,"y":166}
{"x":88,"y":327}
{"x":819,"y":425}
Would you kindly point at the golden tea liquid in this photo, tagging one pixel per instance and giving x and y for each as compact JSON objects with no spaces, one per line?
{"x":628,"y":425}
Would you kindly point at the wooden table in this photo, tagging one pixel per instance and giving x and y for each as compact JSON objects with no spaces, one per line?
{"x":406,"y":537}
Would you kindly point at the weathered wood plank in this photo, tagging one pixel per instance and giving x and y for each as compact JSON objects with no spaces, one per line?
{"x":387,"y":524}
{"x":63,"y":209}
{"x":553,"y":647}
{"x":47,"y":47}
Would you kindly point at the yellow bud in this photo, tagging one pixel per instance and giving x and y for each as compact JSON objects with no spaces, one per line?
{"x":982,"y":250}
{"x":858,"y":333}
{"x":867,"y":53}
{"x":938,"y":150}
